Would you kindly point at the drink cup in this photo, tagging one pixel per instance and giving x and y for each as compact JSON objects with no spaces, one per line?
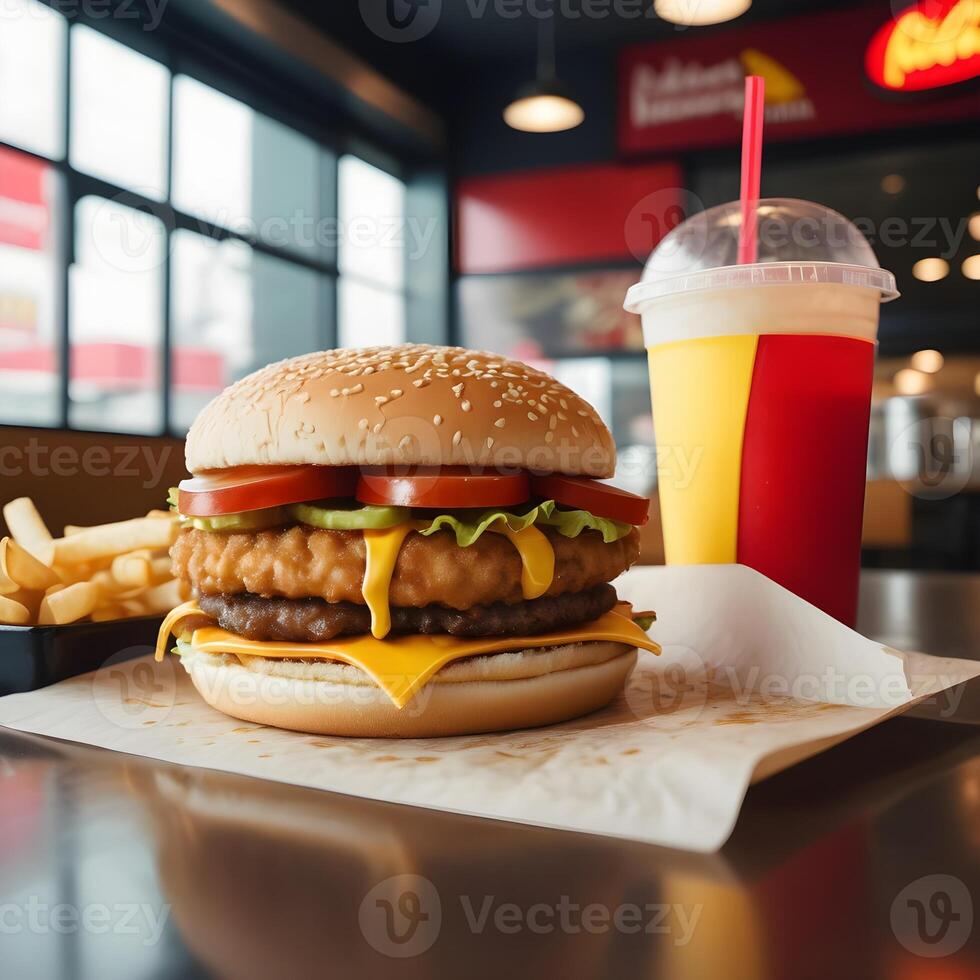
{"x":760,"y":378}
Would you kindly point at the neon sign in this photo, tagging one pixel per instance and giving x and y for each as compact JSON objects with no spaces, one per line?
{"x":930,"y":45}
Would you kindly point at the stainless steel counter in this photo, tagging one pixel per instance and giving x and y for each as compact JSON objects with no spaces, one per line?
{"x":861,"y":862}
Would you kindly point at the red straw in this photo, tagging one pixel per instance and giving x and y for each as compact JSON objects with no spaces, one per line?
{"x":752,"y":120}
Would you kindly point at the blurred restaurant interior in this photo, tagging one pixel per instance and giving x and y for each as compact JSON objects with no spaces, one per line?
{"x":197,"y":189}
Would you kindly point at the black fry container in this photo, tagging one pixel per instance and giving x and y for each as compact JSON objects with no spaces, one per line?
{"x":37,"y":656}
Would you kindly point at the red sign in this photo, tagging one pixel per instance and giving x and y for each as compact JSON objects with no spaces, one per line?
{"x":688,"y":93}
{"x":930,"y":45}
{"x":24,"y":212}
{"x":563,"y":215}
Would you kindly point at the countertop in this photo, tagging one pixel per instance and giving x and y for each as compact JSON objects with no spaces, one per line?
{"x":862,"y":862}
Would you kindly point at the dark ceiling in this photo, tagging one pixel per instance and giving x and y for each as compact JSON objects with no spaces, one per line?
{"x":463,"y":38}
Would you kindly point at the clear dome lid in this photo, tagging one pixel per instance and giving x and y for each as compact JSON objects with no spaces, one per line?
{"x":798,"y":241}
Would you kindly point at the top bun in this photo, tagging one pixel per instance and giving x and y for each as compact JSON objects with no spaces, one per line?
{"x":411,"y":405}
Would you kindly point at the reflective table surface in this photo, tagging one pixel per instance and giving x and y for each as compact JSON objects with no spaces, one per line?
{"x":862,"y":862}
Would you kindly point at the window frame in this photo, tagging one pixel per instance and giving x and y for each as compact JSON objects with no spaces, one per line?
{"x":264,"y":96}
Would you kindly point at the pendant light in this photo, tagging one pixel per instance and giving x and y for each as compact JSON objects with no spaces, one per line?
{"x":699,"y":13}
{"x":544,"y":106}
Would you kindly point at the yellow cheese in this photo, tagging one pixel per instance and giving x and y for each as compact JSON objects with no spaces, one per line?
{"x":402,"y":665}
{"x":171,"y":624}
{"x":381,"y":553}
{"x":537,"y":558}
{"x":381,"y":549}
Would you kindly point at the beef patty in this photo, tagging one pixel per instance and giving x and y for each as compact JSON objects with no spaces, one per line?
{"x":309,"y":620}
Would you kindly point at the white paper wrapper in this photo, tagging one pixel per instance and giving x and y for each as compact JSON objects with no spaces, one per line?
{"x":752,"y":680}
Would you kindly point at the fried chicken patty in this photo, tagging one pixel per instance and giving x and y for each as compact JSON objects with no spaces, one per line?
{"x":300,"y":562}
{"x":313,"y":620}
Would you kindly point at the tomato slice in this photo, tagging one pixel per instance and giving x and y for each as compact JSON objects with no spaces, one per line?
{"x":443,"y":487}
{"x":248,"y":488}
{"x":591,"y":495}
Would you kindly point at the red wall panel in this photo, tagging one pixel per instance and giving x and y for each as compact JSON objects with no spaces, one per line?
{"x":577,"y":214}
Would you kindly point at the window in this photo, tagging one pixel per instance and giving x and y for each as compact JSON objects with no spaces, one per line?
{"x":116,"y":318}
{"x":372,"y":222}
{"x":118,"y":113}
{"x":33,"y":40}
{"x":30,"y":271}
{"x":147,"y":260}
{"x":234,"y":310}
{"x":212,"y":155}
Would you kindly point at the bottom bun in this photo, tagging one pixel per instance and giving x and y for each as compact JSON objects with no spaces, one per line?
{"x":523,"y":689}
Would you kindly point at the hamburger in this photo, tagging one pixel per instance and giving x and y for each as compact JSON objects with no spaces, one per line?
{"x":403,"y":541}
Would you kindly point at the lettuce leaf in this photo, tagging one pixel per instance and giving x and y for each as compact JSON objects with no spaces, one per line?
{"x":469,"y":525}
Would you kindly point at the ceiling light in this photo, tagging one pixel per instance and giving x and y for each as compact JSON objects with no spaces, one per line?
{"x":698,"y":13}
{"x":893,"y":183}
{"x":976,"y":383}
{"x":929,"y":361}
{"x":911,"y":382}
{"x":975,"y":225}
{"x":544,"y":106}
{"x":931,"y":270}
{"x":971,"y":267}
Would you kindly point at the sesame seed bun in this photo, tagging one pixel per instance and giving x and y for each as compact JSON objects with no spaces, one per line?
{"x":521,"y":689}
{"x":411,"y":405}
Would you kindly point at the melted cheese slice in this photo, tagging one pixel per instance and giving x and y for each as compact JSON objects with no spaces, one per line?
{"x":172,"y":622}
{"x":537,"y":558}
{"x":402,"y":665}
{"x":381,"y":552}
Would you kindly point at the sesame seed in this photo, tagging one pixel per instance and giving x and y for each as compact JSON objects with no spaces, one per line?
{"x":396,"y":393}
{"x":381,"y":399}
{"x":334,"y":392}
{"x":489,"y":442}
{"x":548,"y":436}
{"x":457,"y":435}
{"x":458,"y":389}
{"x":437,"y":420}
{"x":498,"y":403}
{"x":465,"y":405}
{"x":532,"y":416}
{"x":500,"y":423}
{"x":362,"y":424}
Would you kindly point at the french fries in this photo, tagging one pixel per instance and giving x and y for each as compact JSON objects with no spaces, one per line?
{"x":133,"y":569}
{"x":18,"y":565}
{"x":114,"y":539}
{"x":13,"y":612}
{"x":71,"y":603}
{"x":98,"y":573}
{"x":28,"y":529}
